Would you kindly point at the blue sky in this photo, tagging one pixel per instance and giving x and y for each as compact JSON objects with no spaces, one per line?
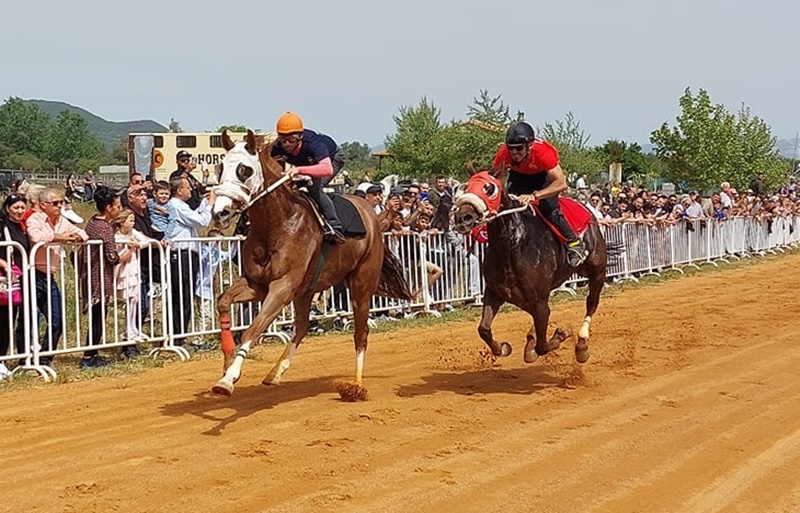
{"x":347,"y":66}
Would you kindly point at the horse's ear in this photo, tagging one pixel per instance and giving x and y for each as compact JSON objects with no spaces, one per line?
{"x":497,"y":173}
{"x":250,"y":142}
{"x":227,"y":143}
{"x":470,"y":168}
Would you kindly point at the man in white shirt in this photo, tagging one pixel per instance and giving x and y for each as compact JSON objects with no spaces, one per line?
{"x":184,"y":257}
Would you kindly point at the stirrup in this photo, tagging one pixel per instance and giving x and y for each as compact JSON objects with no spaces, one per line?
{"x":576,"y":255}
{"x":332,"y":234}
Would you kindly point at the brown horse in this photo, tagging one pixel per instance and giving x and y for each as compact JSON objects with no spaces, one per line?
{"x":281,"y":260}
{"x":523,"y":262}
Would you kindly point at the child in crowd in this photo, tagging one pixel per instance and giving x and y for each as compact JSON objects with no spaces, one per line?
{"x":210,"y":257}
{"x":127,"y":274}
{"x":157,"y":206}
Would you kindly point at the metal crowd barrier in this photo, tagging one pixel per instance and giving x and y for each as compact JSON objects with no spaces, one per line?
{"x":453,"y":261}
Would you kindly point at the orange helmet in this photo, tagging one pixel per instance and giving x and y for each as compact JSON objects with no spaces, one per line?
{"x":289,"y":123}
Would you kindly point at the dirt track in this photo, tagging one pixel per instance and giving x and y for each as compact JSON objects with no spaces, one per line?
{"x":690,"y":403}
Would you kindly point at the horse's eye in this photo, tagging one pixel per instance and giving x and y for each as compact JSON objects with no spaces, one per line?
{"x":490,"y":190}
{"x":243,"y":172}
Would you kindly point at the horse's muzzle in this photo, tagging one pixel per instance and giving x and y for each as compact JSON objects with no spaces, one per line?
{"x":223,"y":218}
{"x":465,"y":222}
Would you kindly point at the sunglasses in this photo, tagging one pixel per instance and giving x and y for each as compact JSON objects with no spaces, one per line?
{"x":289,"y":138}
{"x":56,"y":203}
{"x":13,"y":198}
{"x":182,"y":161}
{"x":516,"y":147}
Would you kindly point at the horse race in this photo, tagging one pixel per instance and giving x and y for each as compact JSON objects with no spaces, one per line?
{"x":395,"y":267}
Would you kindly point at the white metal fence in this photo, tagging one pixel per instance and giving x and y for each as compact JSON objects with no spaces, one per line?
{"x":193,"y":272}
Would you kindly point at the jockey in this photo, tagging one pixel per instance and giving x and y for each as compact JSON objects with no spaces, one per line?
{"x":537,"y":179}
{"x":316,"y":156}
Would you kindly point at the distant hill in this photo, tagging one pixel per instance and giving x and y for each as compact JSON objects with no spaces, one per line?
{"x":108,"y":132}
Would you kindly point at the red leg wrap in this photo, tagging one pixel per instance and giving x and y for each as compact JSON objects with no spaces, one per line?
{"x":226,"y":336}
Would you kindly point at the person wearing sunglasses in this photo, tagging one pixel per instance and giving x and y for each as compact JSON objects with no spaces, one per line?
{"x":49,"y":226}
{"x":314,"y":155}
{"x":185,"y":167}
{"x":537,"y":178}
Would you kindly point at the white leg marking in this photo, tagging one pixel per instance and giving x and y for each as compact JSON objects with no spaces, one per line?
{"x":360,"y":365}
{"x":235,"y":370}
{"x":584,"y":332}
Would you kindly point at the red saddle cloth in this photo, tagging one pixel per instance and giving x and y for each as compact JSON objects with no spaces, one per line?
{"x":576,"y":214}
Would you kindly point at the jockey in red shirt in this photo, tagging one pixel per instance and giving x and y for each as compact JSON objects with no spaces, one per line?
{"x":537,"y":179}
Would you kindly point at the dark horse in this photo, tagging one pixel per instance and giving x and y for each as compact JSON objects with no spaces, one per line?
{"x":281,"y":260}
{"x":523,"y":262}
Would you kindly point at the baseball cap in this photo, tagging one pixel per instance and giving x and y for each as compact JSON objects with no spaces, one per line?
{"x":374,"y":189}
{"x":183,"y":154}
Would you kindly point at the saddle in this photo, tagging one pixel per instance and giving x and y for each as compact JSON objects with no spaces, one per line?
{"x":577,"y":215}
{"x":352,"y":224}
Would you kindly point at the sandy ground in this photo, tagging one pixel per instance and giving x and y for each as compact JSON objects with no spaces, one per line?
{"x":690,"y":403}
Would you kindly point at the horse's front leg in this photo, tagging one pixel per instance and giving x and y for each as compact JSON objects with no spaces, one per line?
{"x":240,"y":291}
{"x":596,"y":284}
{"x":491,"y":305}
{"x":279,"y":295}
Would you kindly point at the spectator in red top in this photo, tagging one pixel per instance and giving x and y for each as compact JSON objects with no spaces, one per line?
{"x":537,"y":178}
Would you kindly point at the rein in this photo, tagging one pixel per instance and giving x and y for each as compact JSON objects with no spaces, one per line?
{"x":277,"y":183}
{"x":222,"y":190}
{"x":510,"y":211}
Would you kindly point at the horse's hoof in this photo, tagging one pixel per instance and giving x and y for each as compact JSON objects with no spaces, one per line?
{"x":350,"y":392}
{"x":505,"y":349}
{"x":582,"y":351}
{"x":270,"y":381}
{"x":531,"y":357}
{"x":223,"y":387}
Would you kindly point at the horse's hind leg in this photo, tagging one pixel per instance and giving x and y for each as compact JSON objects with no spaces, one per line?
{"x":537,"y":343}
{"x":302,"y":307}
{"x":596,"y":284}
{"x":491,"y":305}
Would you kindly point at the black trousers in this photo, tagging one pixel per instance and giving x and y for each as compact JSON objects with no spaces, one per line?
{"x":97,"y":320}
{"x":323,"y":201}
{"x":519,"y":183}
{"x":184,"y":269}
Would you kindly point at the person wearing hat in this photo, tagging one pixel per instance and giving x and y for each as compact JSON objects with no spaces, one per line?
{"x":374,"y":196}
{"x":185,"y":167}
{"x":314,"y":155}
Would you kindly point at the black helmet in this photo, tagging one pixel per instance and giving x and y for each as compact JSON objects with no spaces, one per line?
{"x":519,"y":133}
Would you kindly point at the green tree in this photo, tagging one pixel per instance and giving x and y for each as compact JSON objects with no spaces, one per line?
{"x":418,"y":145}
{"x":574,"y":153}
{"x":705,"y":147}
{"x":477,"y":138}
{"x":356,"y":152}
{"x":71,"y":145}
{"x":229,"y":128}
{"x":635,"y":164}
{"x":757,"y":151}
{"x":23,"y":127}
{"x":118,"y":153}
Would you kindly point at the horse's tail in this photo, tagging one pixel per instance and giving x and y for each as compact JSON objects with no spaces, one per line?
{"x":393,"y":283}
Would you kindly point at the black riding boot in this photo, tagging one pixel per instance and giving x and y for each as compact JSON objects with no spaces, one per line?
{"x":334,"y":230}
{"x":576,"y":249}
